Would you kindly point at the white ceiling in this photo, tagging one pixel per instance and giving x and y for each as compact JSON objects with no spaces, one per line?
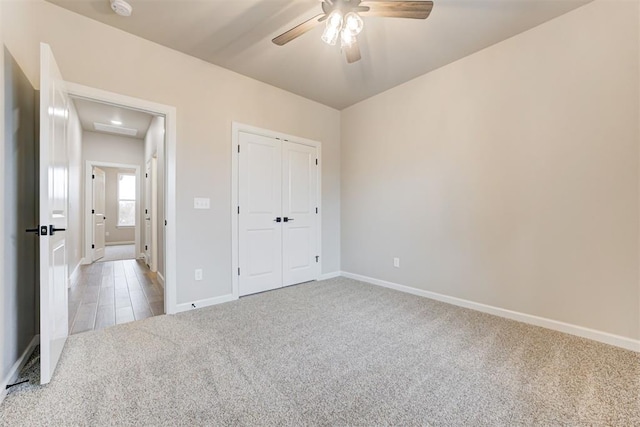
{"x":236,"y":34}
{"x":90,"y":112}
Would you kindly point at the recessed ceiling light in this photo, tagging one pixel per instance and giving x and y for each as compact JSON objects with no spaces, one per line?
{"x":116,"y":122}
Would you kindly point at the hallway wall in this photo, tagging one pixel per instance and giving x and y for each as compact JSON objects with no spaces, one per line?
{"x":19,"y":273}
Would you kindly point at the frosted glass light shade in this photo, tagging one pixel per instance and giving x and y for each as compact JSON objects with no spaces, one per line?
{"x":353,"y":23}
{"x":347,"y":38}
{"x":332,"y":30}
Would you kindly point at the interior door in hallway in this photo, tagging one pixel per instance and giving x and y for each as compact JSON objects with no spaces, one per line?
{"x":53,"y":213}
{"x":147,"y":215}
{"x":98,"y":212}
{"x":299,"y":210}
{"x":259,"y":217}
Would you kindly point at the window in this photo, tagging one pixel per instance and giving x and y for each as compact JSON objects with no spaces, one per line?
{"x":126,"y":200}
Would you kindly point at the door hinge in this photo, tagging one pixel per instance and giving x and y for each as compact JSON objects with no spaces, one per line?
{"x":316,"y":210}
{"x":238,"y":148}
{"x":93,"y":176}
{"x":316,"y":162}
{"x":93,"y":211}
{"x":146,"y":248}
{"x":238,"y":210}
{"x":146,"y":175}
{"x":317,"y":258}
{"x":165,"y":222}
{"x":93,"y":246}
{"x":146,"y":211}
{"x":238,"y":271}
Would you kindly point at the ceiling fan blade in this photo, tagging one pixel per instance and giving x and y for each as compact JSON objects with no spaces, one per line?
{"x":353,"y":52}
{"x":298,"y":30}
{"x":398,"y":9}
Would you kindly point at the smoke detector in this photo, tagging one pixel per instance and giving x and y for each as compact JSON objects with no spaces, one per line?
{"x":121,"y":7}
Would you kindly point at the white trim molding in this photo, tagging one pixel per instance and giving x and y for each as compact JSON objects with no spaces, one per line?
{"x":567,"y":328}
{"x":205,"y":302}
{"x":13,"y":373}
{"x":332,"y":275}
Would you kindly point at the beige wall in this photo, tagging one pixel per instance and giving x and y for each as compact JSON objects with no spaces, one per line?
{"x":18,"y":266}
{"x":116,"y":234}
{"x":207,"y":99}
{"x":108,"y":148}
{"x":509,"y":177}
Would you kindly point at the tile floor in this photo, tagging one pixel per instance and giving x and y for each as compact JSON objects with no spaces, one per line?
{"x":113,"y":292}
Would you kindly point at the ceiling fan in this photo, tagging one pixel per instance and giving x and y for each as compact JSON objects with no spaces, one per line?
{"x":344,"y":21}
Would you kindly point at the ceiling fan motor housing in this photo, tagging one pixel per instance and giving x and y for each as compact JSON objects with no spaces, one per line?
{"x":121,"y":7}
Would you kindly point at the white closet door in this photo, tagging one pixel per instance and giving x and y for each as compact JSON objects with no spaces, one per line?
{"x":299,"y":202}
{"x":260,"y":204}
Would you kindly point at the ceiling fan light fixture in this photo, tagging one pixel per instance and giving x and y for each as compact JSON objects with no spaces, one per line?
{"x":353,"y":23}
{"x":347,"y":38}
{"x":330,"y":35}
{"x":335,"y":19}
{"x":332,"y":30}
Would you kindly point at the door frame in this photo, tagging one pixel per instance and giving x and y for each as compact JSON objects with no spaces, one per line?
{"x":170,"y":199}
{"x":236,"y":128}
{"x":88,"y":205}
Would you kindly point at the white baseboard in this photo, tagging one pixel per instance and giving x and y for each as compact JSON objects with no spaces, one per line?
{"x":160,"y":279}
{"x":580,"y":331}
{"x":326,"y":276}
{"x":119,"y":243}
{"x":204,"y":303}
{"x":74,"y":274}
{"x":12,"y":375}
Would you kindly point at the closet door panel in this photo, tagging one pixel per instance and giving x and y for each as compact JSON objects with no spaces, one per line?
{"x":260,"y":200}
{"x":299,"y":202}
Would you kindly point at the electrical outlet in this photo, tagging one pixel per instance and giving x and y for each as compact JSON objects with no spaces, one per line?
{"x":396,"y":262}
{"x":201,"y":203}
{"x":198,"y":274}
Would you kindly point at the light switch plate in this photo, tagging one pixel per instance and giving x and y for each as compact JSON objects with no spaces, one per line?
{"x":201,"y":203}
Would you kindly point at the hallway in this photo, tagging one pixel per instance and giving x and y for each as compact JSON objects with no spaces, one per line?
{"x":113,"y":292}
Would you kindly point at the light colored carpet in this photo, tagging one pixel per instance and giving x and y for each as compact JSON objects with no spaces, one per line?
{"x":336,"y":352}
{"x":118,"y":252}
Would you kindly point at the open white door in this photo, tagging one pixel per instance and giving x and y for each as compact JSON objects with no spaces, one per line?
{"x":98,"y":212}
{"x":54,"y":115}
